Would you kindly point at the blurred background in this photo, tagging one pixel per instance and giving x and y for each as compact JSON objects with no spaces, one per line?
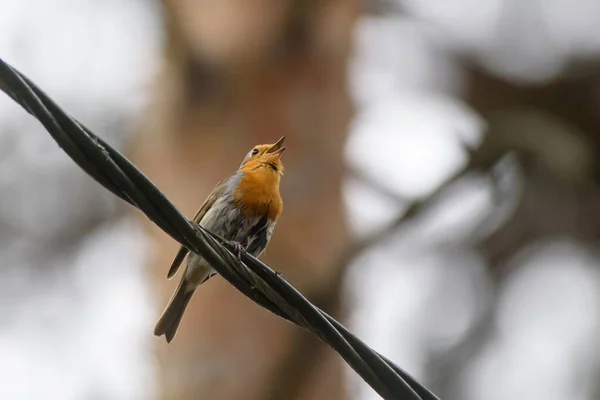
{"x":441,"y":193}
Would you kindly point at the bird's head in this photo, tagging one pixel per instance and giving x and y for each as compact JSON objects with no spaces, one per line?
{"x":265,"y":157}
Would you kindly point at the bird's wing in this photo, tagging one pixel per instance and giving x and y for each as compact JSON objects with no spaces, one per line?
{"x":183,"y":251}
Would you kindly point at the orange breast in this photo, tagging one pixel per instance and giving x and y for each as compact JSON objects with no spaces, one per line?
{"x":258,"y":194}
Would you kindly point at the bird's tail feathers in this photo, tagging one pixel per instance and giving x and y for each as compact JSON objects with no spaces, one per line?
{"x":171,"y":317}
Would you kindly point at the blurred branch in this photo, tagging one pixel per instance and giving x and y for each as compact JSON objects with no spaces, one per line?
{"x":249,"y":275}
{"x":480,"y":160}
{"x":376,"y":185}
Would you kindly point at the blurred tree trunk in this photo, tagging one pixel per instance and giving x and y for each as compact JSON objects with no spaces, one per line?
{"x":239,"y":73}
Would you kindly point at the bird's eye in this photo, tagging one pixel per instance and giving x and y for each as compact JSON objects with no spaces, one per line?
{"x":254,"y":152}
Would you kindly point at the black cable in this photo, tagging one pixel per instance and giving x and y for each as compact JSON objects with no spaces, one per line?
{"x":249,"y":275}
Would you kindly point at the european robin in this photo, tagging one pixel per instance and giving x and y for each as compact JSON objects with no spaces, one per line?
{"x":242,"y":208}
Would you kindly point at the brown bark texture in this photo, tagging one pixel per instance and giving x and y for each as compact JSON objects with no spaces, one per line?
{"x":239,"y":73}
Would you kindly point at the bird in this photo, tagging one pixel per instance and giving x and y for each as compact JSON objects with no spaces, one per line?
{"x":242,"y":208}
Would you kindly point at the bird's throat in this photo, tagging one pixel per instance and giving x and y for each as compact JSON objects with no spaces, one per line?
{"x":258,"y":193}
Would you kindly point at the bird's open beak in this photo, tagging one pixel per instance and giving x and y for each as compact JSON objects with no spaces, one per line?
{"x":278,"y":147}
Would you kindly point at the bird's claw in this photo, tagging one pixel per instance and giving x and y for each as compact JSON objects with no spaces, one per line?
{"x":238,"y":250}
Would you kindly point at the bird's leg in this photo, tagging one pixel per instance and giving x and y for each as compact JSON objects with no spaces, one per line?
{"x":238,"y":250}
